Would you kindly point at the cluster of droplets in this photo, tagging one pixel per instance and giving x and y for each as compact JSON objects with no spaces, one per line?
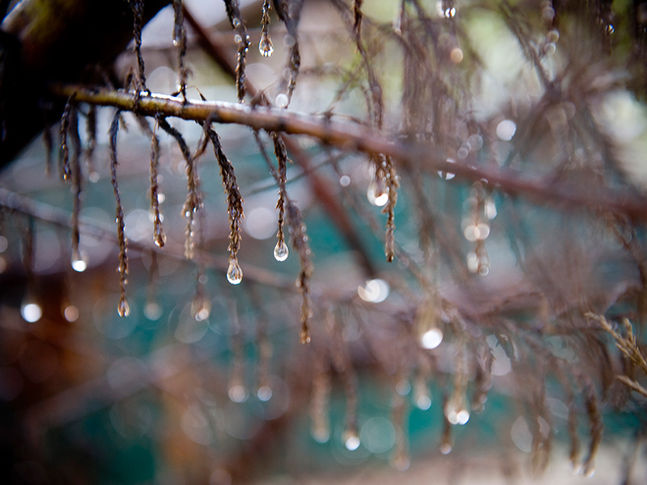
{"x":481,"y":209}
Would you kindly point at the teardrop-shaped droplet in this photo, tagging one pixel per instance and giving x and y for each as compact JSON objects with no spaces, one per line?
{"x":159,"y":238}
{"x":281,"y":251}
{"x":234,"y":273}
{"x":377,"y":194}
{"x":123,"y":309}
{"x":265,"y":46}
{"x":79,"y":262}
{"x":351,"y":440}
{"x":305,"y":336}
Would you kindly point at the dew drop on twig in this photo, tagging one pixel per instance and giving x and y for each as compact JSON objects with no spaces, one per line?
{"x":234,"y":272}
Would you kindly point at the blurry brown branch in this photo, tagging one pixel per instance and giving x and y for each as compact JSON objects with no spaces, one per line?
{"x":355,"y":137}
{"x":55,"y":41}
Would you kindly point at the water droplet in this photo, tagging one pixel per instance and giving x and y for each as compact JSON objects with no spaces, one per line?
{"x":200,"y":308}
{"x":238,"y":39}
{"x":320,"y":433}
{"x":31,"y":311}
{"x":265,"y":46}
{"x":506,"y":129}
{"x":264,"y":393}
{"x":456,"y":55}
{"x":79,"y":262}
{"x":123,"y":308}
{"x":159,"y":238}
{"x":344,"y":180}
{"x":610,"y":30}
{"x":374,"y":291}
{"x":403,"y":387}
{"x":153,"y":311}
{"x":432,"y":338}
{"x":445,"y":448}
{"x":281,"y":251}
{"x":489,"y":208}
{"x":305,"y":336}
{"x":472,"y":262}
{"x":281,"y":100}
{"x":237,"y":393}
{"x":235,"y":22}
{"x":423,"y":402}
{"x":377,"y":194}
{"x":351,"y":440}
{"x":447,"y":175}
{"x":71,"y":313}
{"x":234,"y":273}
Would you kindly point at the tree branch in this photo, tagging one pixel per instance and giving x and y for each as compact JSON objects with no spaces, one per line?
{"x":355,"y":137}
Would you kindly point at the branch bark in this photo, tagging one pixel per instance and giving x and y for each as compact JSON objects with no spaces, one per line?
{"x":355,"y":137}
{"x":55,"y":41}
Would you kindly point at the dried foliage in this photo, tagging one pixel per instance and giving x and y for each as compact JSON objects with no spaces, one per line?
{"x":517,"y":186}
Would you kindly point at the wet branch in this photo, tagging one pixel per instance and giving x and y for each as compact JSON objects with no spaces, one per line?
{"x":355,"y":137}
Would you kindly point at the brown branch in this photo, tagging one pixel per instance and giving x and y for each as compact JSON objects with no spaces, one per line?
{"x":355,"y":137}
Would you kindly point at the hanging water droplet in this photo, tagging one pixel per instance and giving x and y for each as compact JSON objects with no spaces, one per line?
{"x":123,"y":308}
{"x":200,"y":308}
{"x":281,"y":251}
{"x":238,"y":39}
{"x":320,"y":432}
{"x":79,"y":262}
{"x":421,"y":397}
{"x":31,"y":311}
{"x":489,"y":208}
{"x":237,"y":393}
{"x":447,"y":175}
{"x":234,"y":273}
{"x":305,"y":336}
{"x":264,"y":393}
{"x":281,"y":100}
{"x":432,"y":338}
{"x":71,"y":313}
{"x":377,"y":193}
{"x":351,"y":440}
{"x":152,"y":311}
{"x":374,"y":291}
{"x":159,"y":238}
{"x":446,"y":448}
{"x":265,"y":46}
